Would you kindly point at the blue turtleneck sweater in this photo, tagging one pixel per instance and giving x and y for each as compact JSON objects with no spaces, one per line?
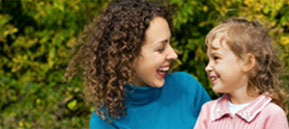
{"x":176,"y":105}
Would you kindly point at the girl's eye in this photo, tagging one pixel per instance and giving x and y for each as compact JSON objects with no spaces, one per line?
{"x":216,"y":57}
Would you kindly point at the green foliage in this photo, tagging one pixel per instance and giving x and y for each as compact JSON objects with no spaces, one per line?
{"x":35,"y":40}
{"x":35,"y":36}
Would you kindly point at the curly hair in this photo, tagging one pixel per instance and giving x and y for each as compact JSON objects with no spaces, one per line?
{"x":108,"y":47}
{"x":243,"y":36}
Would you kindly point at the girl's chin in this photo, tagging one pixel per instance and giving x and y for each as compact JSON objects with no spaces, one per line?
{"x":217,"y":89}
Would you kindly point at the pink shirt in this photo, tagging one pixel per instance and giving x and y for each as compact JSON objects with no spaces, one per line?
{"x":259,"y":114}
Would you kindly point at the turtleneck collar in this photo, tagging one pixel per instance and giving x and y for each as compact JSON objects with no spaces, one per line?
{"x":141,"y":95}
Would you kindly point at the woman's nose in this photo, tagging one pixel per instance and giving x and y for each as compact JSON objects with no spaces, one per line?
{"x":172,"y":55}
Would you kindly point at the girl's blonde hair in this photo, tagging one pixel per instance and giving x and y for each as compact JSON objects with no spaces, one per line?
{"x":243,"y":37}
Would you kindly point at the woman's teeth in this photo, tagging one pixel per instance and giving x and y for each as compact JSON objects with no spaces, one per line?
{"x":166,"y":69}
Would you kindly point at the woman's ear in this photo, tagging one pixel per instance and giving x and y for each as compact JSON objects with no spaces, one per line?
{"x":249,"y":62}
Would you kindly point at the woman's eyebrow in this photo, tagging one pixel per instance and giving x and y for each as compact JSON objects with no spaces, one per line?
{"x":163,"y":41}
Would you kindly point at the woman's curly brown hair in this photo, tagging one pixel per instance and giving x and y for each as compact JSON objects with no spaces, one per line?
{"x":243,"y":36}
{"x":108,"y":47}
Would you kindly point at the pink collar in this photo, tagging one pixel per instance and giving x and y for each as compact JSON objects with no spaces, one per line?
{"x":220,"y":108}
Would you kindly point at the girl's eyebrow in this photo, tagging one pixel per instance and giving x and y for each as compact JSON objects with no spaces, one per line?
{"x":213,"y":47}
{"x":214,"y":53}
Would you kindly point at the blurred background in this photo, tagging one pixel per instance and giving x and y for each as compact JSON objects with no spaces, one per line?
{"x":36,"y":39}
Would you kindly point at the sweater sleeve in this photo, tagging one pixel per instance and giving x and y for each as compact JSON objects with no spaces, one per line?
{"x":97,"y":123}
{"x":198,"y":95}
{"x":276,"y":119}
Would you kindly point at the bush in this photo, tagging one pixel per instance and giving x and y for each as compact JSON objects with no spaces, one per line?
{"x":35,"y":46}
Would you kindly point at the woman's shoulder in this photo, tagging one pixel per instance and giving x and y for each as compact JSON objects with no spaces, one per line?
{"x":183,"y":81}
{"x":187,"y":85}
{"x":180,"y":73}
{"x":181,"y":76}
{"x":97,"y":123}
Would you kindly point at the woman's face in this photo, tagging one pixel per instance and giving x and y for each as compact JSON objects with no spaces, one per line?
{"x":156,"y":55}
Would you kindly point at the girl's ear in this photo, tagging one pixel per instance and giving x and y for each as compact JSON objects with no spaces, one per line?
{"x":249,"y":62}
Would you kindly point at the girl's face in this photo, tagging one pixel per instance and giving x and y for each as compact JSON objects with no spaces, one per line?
{"x":225,"y":69}
{"x":156,"y":55}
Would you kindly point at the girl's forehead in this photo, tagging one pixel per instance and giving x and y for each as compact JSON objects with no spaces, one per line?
{"x":218,"y":45}
{"x":217,"y":42}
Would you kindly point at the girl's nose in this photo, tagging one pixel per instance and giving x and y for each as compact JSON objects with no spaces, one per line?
{"x":208,"y":67}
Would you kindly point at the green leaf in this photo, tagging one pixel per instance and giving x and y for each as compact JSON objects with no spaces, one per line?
{"x":72,"y":105}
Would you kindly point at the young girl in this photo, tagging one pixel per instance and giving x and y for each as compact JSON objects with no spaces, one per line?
{"x":243,"y":66}
{"x":124,"y":61}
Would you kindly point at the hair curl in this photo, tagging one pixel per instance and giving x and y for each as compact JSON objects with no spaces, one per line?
{"x":243,"y":36}
{"x":108,"y":47}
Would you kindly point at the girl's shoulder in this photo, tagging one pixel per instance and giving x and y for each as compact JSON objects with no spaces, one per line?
{"x":274,"y":117}
{"x":273,"y":109}
{"x":213,"y":103}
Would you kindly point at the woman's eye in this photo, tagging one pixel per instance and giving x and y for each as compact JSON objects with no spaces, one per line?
{"x":161,"y":49}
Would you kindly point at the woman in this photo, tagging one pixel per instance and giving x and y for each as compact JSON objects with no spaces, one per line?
{"x":125,"y":63}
